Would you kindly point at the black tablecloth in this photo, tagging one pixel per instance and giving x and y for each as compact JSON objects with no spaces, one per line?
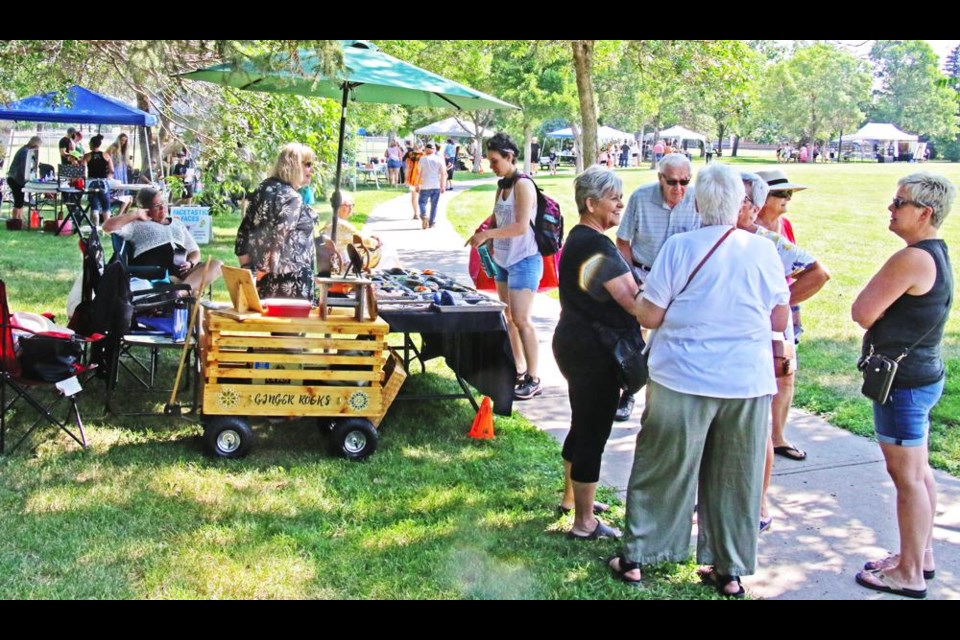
{"x":475,"y":345}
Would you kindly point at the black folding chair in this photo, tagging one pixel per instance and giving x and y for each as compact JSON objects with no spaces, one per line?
{"x":128,"y":319}
{"x":25,"y":379}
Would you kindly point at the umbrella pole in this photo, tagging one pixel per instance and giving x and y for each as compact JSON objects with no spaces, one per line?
{"x":337,"y":198}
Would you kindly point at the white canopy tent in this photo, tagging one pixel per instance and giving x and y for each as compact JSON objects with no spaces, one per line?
{"x":679,"y":133}
{"x":889,"y":142}
{"x":453,"y":129}
{"x":880,"y":131}
{"x":604,"y":134}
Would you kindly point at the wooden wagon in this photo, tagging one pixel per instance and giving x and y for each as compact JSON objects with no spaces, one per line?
{"x":339,"y":370}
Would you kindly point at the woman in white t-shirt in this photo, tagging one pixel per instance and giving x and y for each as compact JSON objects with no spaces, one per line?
{"x":518,"y":260}
{"x":713,"y":296}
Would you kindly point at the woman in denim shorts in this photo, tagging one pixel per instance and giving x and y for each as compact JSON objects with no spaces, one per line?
{"x":904,"y":308}
{"x":518,"y":260}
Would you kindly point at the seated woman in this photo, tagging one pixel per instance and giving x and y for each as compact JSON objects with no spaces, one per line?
{"x":164,"y":242}
{"x":346,"y":232}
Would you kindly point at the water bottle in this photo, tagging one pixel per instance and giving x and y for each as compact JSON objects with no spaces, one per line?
{"x":179,"y":322}
{"x":489,"y":266}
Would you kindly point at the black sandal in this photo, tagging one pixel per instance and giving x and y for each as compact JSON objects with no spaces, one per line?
{"x":625,"y":567}
{"x":711,"y":578}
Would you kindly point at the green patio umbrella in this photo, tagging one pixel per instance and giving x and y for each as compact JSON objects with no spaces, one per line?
{"x":368,"y":75}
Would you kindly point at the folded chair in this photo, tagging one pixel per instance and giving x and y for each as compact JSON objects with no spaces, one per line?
{"x":26,"y":375}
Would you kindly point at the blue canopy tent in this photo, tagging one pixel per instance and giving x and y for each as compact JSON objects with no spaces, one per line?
{"x":80,"y":106}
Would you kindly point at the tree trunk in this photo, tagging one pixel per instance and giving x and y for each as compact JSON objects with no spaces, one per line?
{"x":736,"y":145}
{"x":577,"y":148}
{"x":527,"y":141}
{"x":583,"y":64}
{"x":721,"y":129}
{"x":147,"y":138}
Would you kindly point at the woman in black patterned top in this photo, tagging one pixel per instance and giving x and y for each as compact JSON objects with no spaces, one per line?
{"x":275,"y":238}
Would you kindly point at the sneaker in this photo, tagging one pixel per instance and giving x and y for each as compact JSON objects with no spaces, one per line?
{"x":624,"y":409}
{"x":527,"y":389}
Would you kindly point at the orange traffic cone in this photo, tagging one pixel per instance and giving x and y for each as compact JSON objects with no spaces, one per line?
{"x":482,"y":428}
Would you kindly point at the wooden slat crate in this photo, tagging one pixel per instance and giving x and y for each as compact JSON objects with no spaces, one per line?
{"x":333,"y":367}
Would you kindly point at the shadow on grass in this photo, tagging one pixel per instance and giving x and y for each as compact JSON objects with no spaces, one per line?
{"x":433,"y":514}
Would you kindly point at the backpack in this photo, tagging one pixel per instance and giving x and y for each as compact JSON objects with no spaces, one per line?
{"x":548,"y":224}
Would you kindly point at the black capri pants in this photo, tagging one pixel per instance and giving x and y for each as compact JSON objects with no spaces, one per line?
{"x":594,"y":392}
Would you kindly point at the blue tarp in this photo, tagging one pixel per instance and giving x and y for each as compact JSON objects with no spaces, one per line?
{"x":83,"y":107}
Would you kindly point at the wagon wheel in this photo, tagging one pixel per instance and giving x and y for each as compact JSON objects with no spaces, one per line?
{"x":228,"y":437}
{"x":353,"y":438}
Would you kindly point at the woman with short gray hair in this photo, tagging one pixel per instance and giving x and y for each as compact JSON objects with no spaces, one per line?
{"x":713,"y":295}
{"x":904,"y":309}
{"x":596,"y":286}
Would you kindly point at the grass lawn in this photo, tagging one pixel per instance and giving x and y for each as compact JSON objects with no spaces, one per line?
{"x":143,"y":514}
{"x":841,"y":219}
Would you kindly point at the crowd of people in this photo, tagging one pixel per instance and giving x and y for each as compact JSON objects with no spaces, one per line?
{"x":710,"y":275}
{"x":713,"y":276}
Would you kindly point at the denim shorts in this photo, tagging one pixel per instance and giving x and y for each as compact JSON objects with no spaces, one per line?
{"x":905,"y":418}
{"x":524,"y":274}
{"x":393,"y":164}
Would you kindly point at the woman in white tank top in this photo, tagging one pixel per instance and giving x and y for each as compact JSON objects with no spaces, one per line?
{"x":519,"y":264}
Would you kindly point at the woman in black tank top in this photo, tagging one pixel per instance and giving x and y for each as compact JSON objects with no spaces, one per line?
{"x":904,"y":309}
{"x":99,"y":168}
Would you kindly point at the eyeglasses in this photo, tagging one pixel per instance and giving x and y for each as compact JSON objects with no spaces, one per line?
{"x":782,"y":194}
{"x":671,"y":182}
{"x":898,"y":203}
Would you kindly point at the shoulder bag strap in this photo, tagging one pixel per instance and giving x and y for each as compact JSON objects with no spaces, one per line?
{"x":701,"y":263}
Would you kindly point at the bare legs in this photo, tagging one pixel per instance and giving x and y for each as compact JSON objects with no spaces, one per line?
{"x":523,"y":336}
{"x":916,"y":505}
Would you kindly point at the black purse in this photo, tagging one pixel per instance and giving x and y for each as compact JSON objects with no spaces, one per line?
{"x":49,"y":358}
{"x":628,"y":349}
{"x":879,"y":370}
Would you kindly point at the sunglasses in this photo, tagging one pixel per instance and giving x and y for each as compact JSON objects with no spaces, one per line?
{"x":782,"y":194}
{"x":898,"y":203}
{"x":671,"y":182}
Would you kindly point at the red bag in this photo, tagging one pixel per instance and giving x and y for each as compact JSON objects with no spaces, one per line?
{"x":549,"y":280}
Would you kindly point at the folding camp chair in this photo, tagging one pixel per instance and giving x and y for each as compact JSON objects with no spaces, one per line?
{"x":129,"y":318}
{"x":26,"y":378}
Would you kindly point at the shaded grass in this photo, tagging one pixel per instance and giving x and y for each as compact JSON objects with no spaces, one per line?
{"x":433,"y":514}
{"x":143,"y":514}
{"x":842,"y":220}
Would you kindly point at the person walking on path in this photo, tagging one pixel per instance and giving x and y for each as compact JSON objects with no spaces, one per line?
{"x":904,"y":309}
{"x":431,"y":182}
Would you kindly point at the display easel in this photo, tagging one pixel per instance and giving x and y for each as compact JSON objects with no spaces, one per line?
{"x":243,"y":294}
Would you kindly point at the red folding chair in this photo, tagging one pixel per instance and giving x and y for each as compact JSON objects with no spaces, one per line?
{"x":15,"y":376}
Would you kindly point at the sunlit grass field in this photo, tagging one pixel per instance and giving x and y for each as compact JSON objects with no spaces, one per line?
{"x":842,"y":219}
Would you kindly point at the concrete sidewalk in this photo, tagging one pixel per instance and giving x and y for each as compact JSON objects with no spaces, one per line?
{"x":831,"y":512}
